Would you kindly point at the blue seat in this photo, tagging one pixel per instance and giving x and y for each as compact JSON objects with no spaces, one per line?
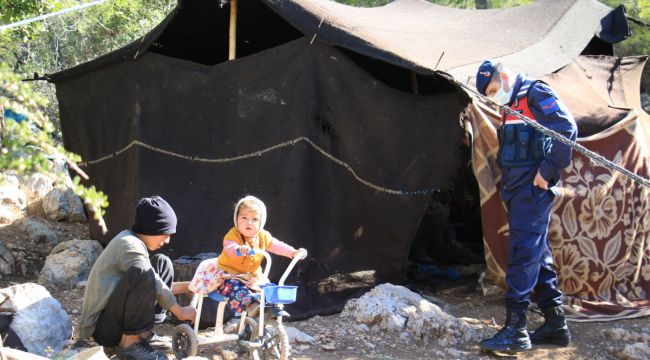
{"x":216,"y":296}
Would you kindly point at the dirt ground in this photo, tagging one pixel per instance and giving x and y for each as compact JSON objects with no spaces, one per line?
{"x":341,"y":338}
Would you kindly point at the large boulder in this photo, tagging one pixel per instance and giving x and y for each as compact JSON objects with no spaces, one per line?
{"x":62,"y":205}
{"x":36,"y":185}
{"x":396,"y":309}
{"x":39,"y":321}
{"x":69,"y":263}
{"x":10,"y":193}
{"x":32,"y":244}
{"x":36,"y":233}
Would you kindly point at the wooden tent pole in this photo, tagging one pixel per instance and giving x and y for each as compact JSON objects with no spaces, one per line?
{"x":232,"y":44}
{"x":414,"y":83}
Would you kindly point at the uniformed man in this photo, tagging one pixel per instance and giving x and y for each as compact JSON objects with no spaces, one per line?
{"x":530,"y":164}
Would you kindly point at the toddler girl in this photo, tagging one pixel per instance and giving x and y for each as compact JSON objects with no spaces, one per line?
{"x":234,"y":273}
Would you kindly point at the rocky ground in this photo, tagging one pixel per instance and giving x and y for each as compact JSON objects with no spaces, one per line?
{"x":341,"y":337}
{"x":446,"y":321}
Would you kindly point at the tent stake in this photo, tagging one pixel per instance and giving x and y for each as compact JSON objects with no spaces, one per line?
{"x":233,"y":30}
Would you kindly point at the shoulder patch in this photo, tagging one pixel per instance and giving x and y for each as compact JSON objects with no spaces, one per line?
{"x":549,"y":105}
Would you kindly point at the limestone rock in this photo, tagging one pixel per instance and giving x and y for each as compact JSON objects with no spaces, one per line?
{"x":39,"y":320}
{"x":37,"y":235}
{"x":34,"y":242}
{"x":636,"y":351}
{"x":10,"y":194}
{"x":69,"y":263}
{"x":396,"y":309}
{"x":36,"y":185}
{"x":297,"y":336}
{"x":6,"y":215}
{"x":61,"y":205}
{"x":7,"y":262}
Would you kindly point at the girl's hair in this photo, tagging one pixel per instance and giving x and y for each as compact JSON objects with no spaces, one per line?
{"x":249,"y":204}
{"x":253,"y":203}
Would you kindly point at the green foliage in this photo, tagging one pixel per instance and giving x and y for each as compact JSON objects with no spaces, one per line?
{"x":52,"y":45}
{"x":28,"y":146}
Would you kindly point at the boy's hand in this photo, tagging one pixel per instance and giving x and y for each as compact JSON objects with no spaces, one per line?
{"x":183,"y":313}
{"x":301,"y":253}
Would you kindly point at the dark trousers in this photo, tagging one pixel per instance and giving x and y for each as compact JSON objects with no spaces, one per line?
{"x":132,"y":304}
{"x":529,"y":255}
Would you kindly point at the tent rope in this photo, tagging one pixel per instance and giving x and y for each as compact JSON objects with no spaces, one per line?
{"x":45,"y":16}
{"x":559,"y":137}
{"x":261,"y":152}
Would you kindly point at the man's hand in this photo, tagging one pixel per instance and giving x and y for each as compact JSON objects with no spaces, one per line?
{"x":183,"y":313}
{"x":540,"y":182}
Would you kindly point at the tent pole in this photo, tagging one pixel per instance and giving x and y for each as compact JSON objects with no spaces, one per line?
{"x":414,"y":83}
{"x":232,"y":44}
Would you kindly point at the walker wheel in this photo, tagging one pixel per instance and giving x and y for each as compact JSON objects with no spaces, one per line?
{"x":184,"y":342}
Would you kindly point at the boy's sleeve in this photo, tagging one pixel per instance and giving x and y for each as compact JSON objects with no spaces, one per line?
{"x":553,"y":114}
{"x":164,"y":295}
{"x":128,"y":255}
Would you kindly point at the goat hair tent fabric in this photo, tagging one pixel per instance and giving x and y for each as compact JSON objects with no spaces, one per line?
{"x":600,"y":224}
{"x":328,"y":148}
{"x":343,"y":128}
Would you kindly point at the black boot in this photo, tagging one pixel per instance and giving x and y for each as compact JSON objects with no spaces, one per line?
{"x":554,"y":330}
{"x":513,"y":337}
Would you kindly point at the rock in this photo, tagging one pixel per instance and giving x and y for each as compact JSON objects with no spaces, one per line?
{"x":616,"y":334}
{"x":297,"y":336}
{"x":36,"y":185}
{"x":39,"y":321}
{"x":37,"y":233}
{"x":7,"y":262}
{"x":227,"y":354}
{"x":454,"y":353}
{"x":31,"y":245}
{"x":69,"y":263}
{"x":61,"y":205}
{"x":6,"y":215}
{"x":10,"y":195}
{"x":395,"y":309}
{"x":636,"y":351}
{"x":10,"y":177}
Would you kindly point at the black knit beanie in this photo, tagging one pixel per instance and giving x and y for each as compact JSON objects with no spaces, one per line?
{"x":154,"y":216}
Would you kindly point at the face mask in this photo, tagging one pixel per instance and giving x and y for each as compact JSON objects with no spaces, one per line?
{"x":502,"y":97}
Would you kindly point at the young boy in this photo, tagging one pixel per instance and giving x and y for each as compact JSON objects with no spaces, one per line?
{"x":123,"y":287}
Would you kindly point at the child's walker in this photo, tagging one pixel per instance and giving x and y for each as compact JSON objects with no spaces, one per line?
{"x":262,"y":337}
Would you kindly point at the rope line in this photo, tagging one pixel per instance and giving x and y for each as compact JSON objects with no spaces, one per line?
{"x":574,"y":145}
{"x":45,"y":16}
{"x":261,"y":152}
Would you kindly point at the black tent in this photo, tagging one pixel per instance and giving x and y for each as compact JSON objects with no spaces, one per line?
{"x":315,"y":117}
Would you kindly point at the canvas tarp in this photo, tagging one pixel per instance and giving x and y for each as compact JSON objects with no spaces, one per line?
{"x":600,"y":225}
{"x":537,"y":38}
{"x":325,"y":145}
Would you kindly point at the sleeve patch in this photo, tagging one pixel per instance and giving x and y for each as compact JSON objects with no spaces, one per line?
{"x":549,"y":105}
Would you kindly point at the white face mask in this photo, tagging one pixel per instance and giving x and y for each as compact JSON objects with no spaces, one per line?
{"x":502,"y":97}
